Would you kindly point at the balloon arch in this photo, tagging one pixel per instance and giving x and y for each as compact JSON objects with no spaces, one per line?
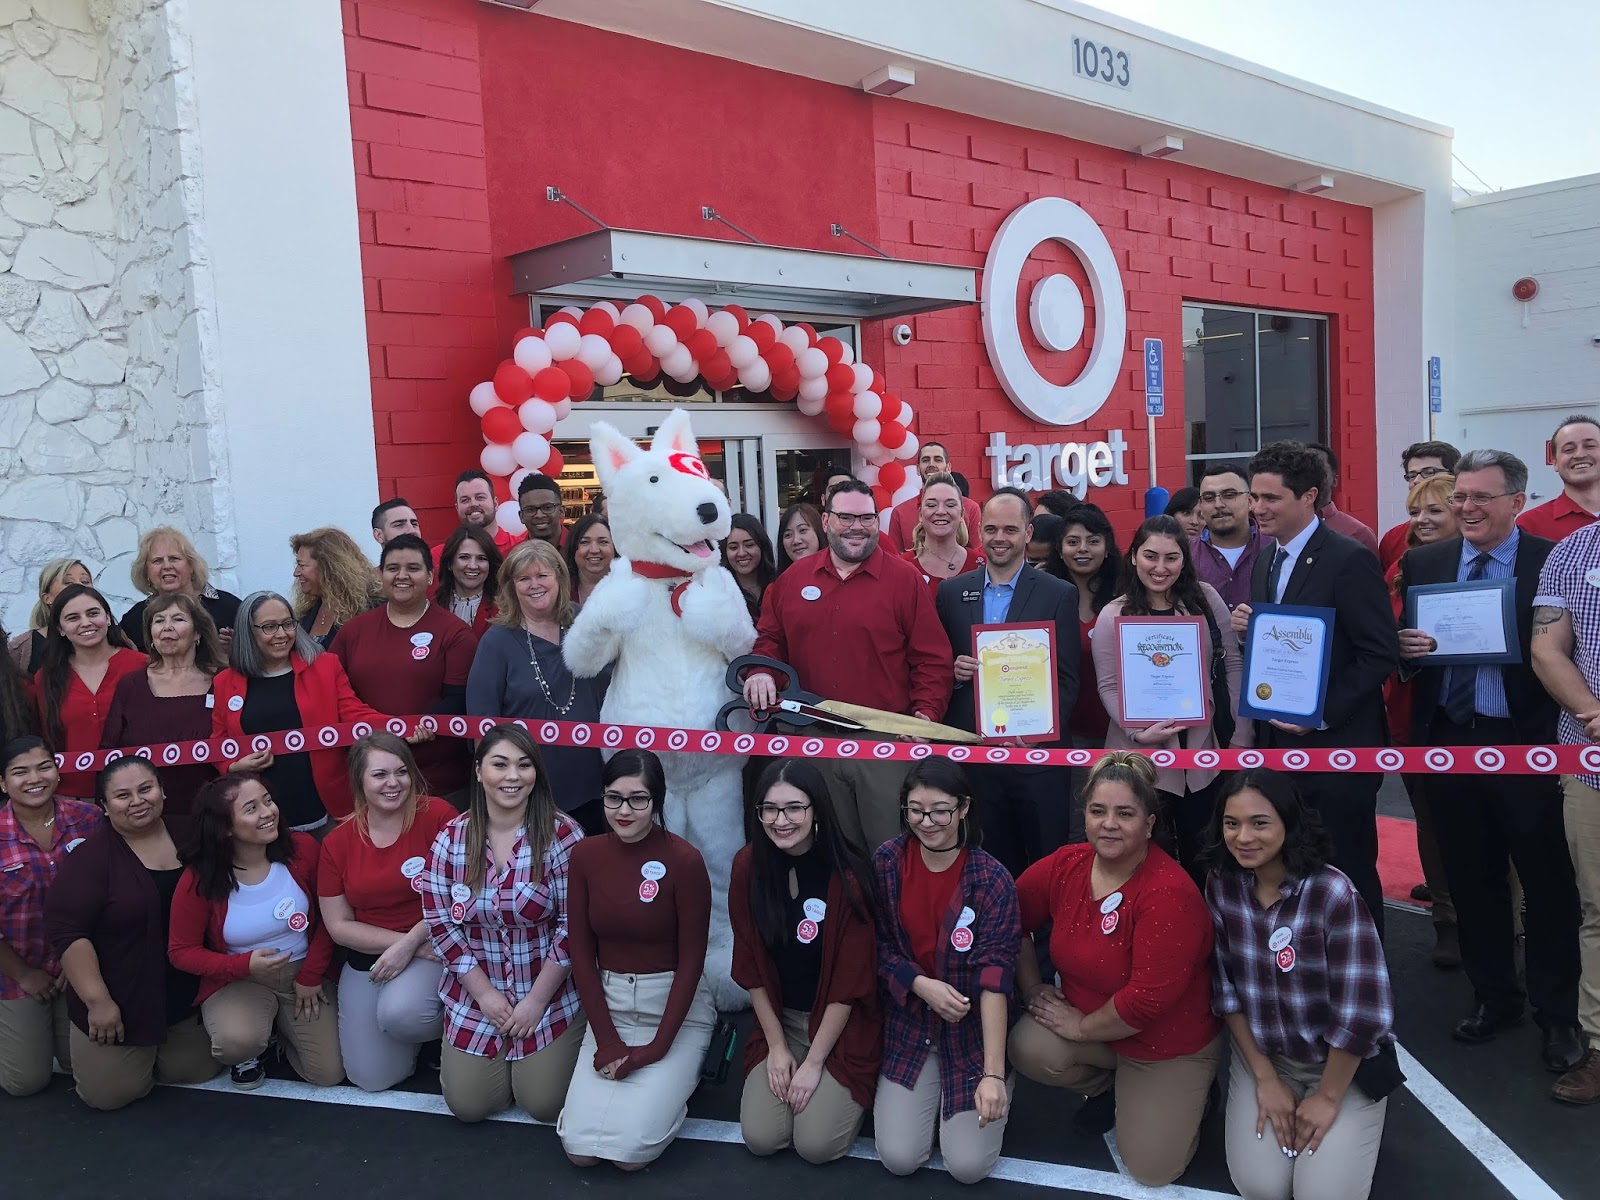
{"x":677,"y":347}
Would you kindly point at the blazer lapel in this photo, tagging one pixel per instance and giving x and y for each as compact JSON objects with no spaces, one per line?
{"x":1019,"y":595}
{"x":1301,"y":568}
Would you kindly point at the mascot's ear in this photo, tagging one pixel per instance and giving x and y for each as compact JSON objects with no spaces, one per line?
{"x":674,"y":436}
{"x":610,"y":451}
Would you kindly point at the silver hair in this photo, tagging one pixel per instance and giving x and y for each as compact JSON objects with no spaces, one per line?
{"x":1515,"y":470}
{"x":245,"y":656}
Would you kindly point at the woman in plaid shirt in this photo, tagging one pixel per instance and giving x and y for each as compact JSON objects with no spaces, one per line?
{"x":1302,"y":984}
{"x":948,"y":932}
{"x":495,"y":900}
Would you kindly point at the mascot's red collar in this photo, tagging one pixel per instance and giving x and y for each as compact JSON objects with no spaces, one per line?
{"x":681,"y":579}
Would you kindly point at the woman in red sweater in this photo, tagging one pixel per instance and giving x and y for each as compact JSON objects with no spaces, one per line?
{"x":244,"y":920}
{"x":1132,"y":938}
{"x":805,"y":947}
{"x":85,"y":654}
{"x":638,"y":915}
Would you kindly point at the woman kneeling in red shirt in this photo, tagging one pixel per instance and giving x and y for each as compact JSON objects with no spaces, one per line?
{"x":1132,"y":938}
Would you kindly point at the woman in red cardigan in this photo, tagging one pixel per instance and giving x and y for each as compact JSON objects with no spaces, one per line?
{"x":245,"y":921}
{"x":85,"y":654}
{"x":805,"y":948}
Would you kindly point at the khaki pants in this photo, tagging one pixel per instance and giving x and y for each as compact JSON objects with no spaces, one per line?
{"x":32,"y":1035}
{"x":476,"y":1087}
{"x":1341,"y":1169}
{"x":823,"y":1131}
{"x":381,"y":1025}
{"x":903,"y":1121}
{"x":1581,"y":811}
{"x":1159,"y":1104}
{"x":866,"y":798}
{"x":241,"y":1017}
{"x":111,"y":1077}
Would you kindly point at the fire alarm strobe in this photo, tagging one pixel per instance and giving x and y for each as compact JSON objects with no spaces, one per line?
{"x":1525,"y":289}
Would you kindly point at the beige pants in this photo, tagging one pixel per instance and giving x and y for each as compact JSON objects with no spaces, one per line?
{"x":111,"y":1077}
{"x":866,"y":797}
{"x":1582,"y":814}
{"x":1159,"y":1104}
{"x":1341,"y":1169}
{"x":821,"y":1132}
{"x":241,"y":1017}
{"x":476,"y":1087}
{"x":903,"y":1121}
{"x":382,"y":1025}
{"x":32,"y":1035}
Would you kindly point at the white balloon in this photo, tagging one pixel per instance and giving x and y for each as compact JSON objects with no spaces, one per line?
{"x":659,"y":339}
{"x":869,"y":474}
{"x":873,"y":452}
{"x":908,"y":449}
{"x":867,"y":406}
{"x":531,"y":354}
{"x":811,"y":363}
{"x":593,"y":350}
{"x":866,"y":433}
{"x":509,"y":518}
{"x":531,"y":450}
{"x":757,"y":377}
{"x":698,"y":308}
{"x":677,"y":360}
{"x":863,"y":379}
{"x":723,"y":326}
{"x":640,"y":317}
{"x":497,"y":459}
{"x":811,"y":408}
{"x":814,"y":389}
{"x":563,"y":340}
{"x":517,"y":477}
{"x":609,"y":372}
{"x":483,"y":398}
{"x":911,"y":487}
{"x":572,"y":310}
{"x":538,"y":416}
{"x":906,"y":415}
{"x":769,"y":319}
{"x":742,"y":351}
{"x":563,"y":408}
{"x":849,"y":356}
{"x":609,"y":309}
{"x":795,"y":338}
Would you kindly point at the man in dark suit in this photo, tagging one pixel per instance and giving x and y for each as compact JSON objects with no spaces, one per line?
{"x":1025,"y":811}
{"x":1483,"y":822}
{"x":1308,"y":564}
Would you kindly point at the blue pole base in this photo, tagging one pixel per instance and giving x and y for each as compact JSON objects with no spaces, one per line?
{"x":1155,"y":501}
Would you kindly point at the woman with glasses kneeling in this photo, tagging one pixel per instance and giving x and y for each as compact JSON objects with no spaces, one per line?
{"x":244,"y":919}
{"x":1132,"y":940}
{"x":1302,"y":984}
{"x":133,"y":1014}
{"x":947,"y":949}
{"x":640,"y":916}
{"x":370,"y":885}
{"x":800,"y":903}
{"x":495,"y":899}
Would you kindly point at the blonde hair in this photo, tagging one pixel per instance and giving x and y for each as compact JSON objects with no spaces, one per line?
{"x":360,"y":755}
{"x":919,"y":536}
{"x":522,"y":556}
{"x":1127,"y":767}
{"x":349,"y":588}
{"x":1439,"y":487}
{"x":53,"y":570}
{"x":208,"y":653}
{"x":139,"y":573}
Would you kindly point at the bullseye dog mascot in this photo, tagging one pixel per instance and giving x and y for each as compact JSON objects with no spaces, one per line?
{"x":671,"y":618}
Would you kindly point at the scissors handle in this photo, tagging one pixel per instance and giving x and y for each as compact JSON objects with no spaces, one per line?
{"x":787,"y":683}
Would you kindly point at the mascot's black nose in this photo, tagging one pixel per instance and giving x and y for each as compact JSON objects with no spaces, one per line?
{"x":708,"y":513}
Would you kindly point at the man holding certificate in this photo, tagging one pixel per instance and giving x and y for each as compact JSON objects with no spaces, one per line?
{"x":1475,"y":686}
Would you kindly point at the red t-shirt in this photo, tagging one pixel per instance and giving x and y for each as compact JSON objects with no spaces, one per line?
{"x":83,"y":716}
{"x":393,"y":671}
{"x":924,"y":897}
{"x":1556,"y":519}
{"x":379,"y":883}
{"x":904,"y":516}
{"x":970,"y":561}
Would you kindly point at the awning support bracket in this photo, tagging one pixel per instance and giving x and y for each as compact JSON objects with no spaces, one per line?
{"x":839,"y":230}
{"x":707,"y":213}
{"x":556,"y":196}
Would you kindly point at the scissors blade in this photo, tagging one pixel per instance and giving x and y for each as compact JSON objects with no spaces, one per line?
{"x":812,"y":713}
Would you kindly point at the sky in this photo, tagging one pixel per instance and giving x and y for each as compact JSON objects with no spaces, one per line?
{"x":1518,"y":82}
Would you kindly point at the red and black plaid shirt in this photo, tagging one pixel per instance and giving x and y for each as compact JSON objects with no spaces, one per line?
{"x":26,"y":872}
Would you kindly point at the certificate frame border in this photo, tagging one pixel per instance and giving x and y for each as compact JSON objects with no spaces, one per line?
{"x":1049,"y":630}
{"x":1508,"y":615}
{"x":1200,"y":722}
{"x":1261,"y":712}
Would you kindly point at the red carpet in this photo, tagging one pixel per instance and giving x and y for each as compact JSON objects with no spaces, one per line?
{"x":1398,"y":864}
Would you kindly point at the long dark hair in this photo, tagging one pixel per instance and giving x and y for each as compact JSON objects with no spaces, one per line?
{"x":767,"y":568}
{"x":580,"y":530}
{"x":1047,"y":528}
{"x":769,"y":866}
{"x":208,"y":852}
{"x":812,"y":517}
{"x":56,"y":672}
{"x":943,"y":775}
{"x":538,"y":819}
{"x":16,"y":714}
{"x":1306,"y":845}
{"x":445,"y":589}
{"x":647,"y":767}
{"x":1104,"y":581}
{"x":1185,"y":593}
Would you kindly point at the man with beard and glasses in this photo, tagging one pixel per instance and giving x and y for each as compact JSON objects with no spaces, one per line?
{"x":858,"y":625}
{"x":1575,"y":451}
{"x":1225,"y":553}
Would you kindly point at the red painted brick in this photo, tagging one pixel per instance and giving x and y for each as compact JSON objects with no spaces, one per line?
{"x":1260,"y":243}
{"x":1094,"y":171}
{"x":1188,"y":268}
{"x":1357,"y":288}
{"x":414,"y":66}
{"x":390,"y":329}
{"x":931,"y":233}
{"x":1187,"y":231}
{"x":427,"y":166}
{"x":1142,"y":182}
{"x":1262,"y":278}
{"x":365,"y":228}
{"x":416,"y":427}
{"x":1321,"y":218}
{"x":1296,"y":281}
{"x":475,"y":300}
{"x":436,"y":200}
{"x":987,"y":196}
{"x":931,"y":376}
{"x":1352,"y":226}
{"x":386,"y":25}
{"x":1221,"y":198}
{"x":443,"y":330}
{"x":1047,"y":161}
{"x":1151,"y":263}
{"x":990,"y":151}
{"x":413,"y":362}
{"x":1141,"y":222}
{"x":1221,"y":236}
{"x":394,"y":395}
{"x":1180,"y":189}
{"x":427,"y":133}
{"x":1354,"y":257}
{"x":937,"y":187}
{"x":1293,"y":214}
{"x":439,"y":233}
{"x":1260,"y":206}
{"x":1293,"y":248}
{"x":398,"y":95}
{"x":386,"y":194}
{"x":371,"y":125}
{"x":940,"y":141}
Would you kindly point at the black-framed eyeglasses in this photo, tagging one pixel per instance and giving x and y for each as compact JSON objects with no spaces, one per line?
{"x":858,"y":519}
{"x":769,"y":813}
{"x":543,"y":510}
{"x":271,"y":628}
{"x":1481,"y":499}
{"x":1227,"y":497}
{"x":638,"y":802}
{"x":938,"y":817}
{"x":1424,"y":473}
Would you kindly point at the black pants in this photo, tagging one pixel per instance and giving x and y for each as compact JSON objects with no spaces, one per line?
{"x":1348,"y":807}
{"x":1187,"y":819}
{"x":1483,"y":825}
{"x":1026,"y":812}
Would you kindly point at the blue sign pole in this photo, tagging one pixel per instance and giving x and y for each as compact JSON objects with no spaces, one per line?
{"x":1155,"y":404}
{"x":1435,"y":386}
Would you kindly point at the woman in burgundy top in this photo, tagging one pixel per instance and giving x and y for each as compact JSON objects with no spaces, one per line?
{"x":85,"y":654}
{"x":1132,"y":939}
{"x":804,"y":946}
{"x":638,"y":918}
{"x":170,"y":700}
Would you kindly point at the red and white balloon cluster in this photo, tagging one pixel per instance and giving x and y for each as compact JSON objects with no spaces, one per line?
{"x":675,"y":346}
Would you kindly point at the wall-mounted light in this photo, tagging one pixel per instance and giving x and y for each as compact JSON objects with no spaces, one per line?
{"x":1314,"y":185}
{"x":889,"y":81}
{"x":1162,"y":147}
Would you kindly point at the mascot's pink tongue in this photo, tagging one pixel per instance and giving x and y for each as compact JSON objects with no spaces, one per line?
{"x":699,"y":549}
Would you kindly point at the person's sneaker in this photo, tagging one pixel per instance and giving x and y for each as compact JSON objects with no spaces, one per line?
{"x":1581,"y":1085}
{"x":248,"y":1075}
{"x":1446,"y":947}
{"x":1422,"y":893}
{"x":1097,"y":1115}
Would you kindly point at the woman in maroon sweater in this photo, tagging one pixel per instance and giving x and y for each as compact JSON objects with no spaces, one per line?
{"x":638,"y":917}
{"x":805,"y":947}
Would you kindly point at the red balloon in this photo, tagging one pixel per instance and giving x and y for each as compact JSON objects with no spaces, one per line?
{"x":512,"y":384}
{"x":810,"y":332}
{"x":892,"y":476}
{"x":760,"y":332}
{"x":788,"y":379}
{"x":657,"y":309}
{"x":555,"y":464}
{"x":724,"y":383}
{"x":779,"y":357}
{"x":580,"y":377}
{"x":502,"y":425}
{"x":840,"y":377}
{"x":892,"y":435}
{"x":786,"y":394}
{"x":743,"y":317}
{"x":641,"y":364}
{"x":596,"y":320}
{"x":561,"y":318}
{"x":839,"y":402}
{"x":881,"y":497}
{"x":702,"y":343}
{"x":551,"y":385}
{"x":681,"y":321}
{"x":717,"y":366}
{"x":880,"y":384}
{"x":842,"y":420}
{"x":625,"y":342}
{"x":522,"y":333}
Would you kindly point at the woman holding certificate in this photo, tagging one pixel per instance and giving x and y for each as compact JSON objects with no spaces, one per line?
{"x":1160,"y":650}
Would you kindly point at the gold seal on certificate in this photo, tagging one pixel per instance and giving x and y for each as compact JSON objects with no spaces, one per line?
{"x":1163,"y":676}
{"x":1015,"y":696}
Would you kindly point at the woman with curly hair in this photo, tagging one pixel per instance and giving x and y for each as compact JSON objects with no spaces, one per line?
{"x":333,"y":582}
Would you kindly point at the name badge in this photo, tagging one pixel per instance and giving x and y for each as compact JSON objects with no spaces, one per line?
{"x":1593,"y":577}
{"x":235,"y":703}
{"x":968,"y":597}
{"x":1111,"y":903}
{"x":815,"y":910}
{"x":460,"y":893}
{"x":966,"y":918}
{"x":211,"y":701}
{"x":283,"y":909}
{"x":654,"y":869}
{"x":811,"y":592}
{"x":421,"y":639}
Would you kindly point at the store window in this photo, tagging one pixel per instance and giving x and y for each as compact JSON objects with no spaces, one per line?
{"x":1251,"y":377}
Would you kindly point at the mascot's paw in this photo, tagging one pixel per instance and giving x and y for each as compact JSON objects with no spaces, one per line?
{"x":714,"y":612}
{"x":729,"y":996}
{"x":617,"y":600}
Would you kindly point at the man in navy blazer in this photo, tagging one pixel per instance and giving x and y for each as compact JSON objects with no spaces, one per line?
{"x":1025,"y":811}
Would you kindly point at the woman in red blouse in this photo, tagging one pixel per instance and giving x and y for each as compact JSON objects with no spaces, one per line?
{"x":939,"y":546}
{"x":639,"y":914}
{"x":85,"y":654}
{"x":1132,"y":938}
{"x":800,"y":903}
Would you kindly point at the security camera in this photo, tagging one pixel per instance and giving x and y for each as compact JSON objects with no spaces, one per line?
{"x":902,"y":335}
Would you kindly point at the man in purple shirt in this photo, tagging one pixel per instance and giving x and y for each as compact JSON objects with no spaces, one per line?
{"x":1329,"y":514}
{"x":1225,"y":553}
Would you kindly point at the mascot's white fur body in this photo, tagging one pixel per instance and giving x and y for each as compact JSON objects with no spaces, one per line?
{"x":671,"y":617}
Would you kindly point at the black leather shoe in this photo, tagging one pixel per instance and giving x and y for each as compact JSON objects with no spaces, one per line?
{"x":1483,"y":1024}
{"x":1097,"y":1115}
{"x":1563,"y":1047}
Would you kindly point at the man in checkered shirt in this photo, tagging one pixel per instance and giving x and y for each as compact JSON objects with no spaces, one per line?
{"x":1566,"y":657}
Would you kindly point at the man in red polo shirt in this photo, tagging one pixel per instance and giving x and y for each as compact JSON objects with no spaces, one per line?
{"x":1419,"y":461}
{"x":475,"y":506}
{"x":857,"y":625}
{"x":931,"y":460}
{"x":1575,"y":450}
{"x":1328,"y":512}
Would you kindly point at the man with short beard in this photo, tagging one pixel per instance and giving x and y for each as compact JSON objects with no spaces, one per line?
{"x":1575,"y":450}
{"x":475,"y":506}
{"x":1225,"y":552}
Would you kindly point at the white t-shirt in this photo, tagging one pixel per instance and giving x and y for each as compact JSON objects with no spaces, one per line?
{"x":264,"y":916}
{"x":1232,"y":554}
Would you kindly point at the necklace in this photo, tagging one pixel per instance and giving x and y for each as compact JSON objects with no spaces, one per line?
{"x":538,"y":674}
{"x":389,"y":609}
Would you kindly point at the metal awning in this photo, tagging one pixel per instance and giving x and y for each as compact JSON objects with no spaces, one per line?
{"x":623,"y":264}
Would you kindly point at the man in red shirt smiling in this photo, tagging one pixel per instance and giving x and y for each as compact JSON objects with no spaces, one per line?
{"x":857,"y":625}
{"x":1575,"y":449}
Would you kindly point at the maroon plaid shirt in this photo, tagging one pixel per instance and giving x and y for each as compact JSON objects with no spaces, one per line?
{"x":910,"y":1027}
{"x":26,"y":872}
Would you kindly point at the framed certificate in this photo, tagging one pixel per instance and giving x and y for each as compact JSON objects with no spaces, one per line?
{"x":1014,"y":689}
{"x":1287,"y":651}
{"x":1473,"y":624}
{"x":1162,"y":673}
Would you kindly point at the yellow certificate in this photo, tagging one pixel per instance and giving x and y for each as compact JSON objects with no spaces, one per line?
{"x":1015,"y":694}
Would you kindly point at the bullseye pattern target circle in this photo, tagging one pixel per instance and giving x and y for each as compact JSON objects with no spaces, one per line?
{"x":230,"y":749}
{"x":1439,"y":760}
{"x":849,"y":749}
{"x":960,"y":753}
{"x":999,"y":754}
{"x":549,"y":732}
{"x":1207,"y":759}
{"x":612,"y":737}
{"x":1296,"y":760}
{"x":1341,"y":760}
{"x":883,"y":750}
{"x":811,"y":747}
{"x":1590,"y":758}
{"x":294,"y":741}
{"x":778,"y":745}
{"x":328,"y":736}
{"x":485,"y":725}
{"x":1251,"y":758}
{"x":360,"y":729}
{"x":1038,"y":756}
{"x":202,"y":752}
{"x":644,"y":739}
{"x":677,"y":739}
{"x":1489,"y":759}
{"x":744,"y":743}
{"x":710,"y":742}
{"x":581,"y":734}
{"x":1079,"y":758}
{"x":170,"y":754}
{"x":1390,"y":759}
{"x":921,"y":750}
{"x":1163,"y":758}
{"x":1541,"y":758}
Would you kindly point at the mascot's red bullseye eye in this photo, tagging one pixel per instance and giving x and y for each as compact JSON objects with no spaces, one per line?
{"x":688,"y":464}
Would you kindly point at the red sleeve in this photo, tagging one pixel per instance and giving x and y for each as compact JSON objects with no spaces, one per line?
{"x":692,"y":893}
{"x":186,"y":938}
{"x":330,"y":871}
{"x":855,"y":975}
{"x":750,"y":958}
{"x":319,"y":953}
{"x":1036,"y":894}
{"x":770,"y":639}
{"x":927,"y":654}
{"x":900,"y":529}
{"x":348,"y":706}
{"x":1172,"y":939}
{"x":585,"y":958}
